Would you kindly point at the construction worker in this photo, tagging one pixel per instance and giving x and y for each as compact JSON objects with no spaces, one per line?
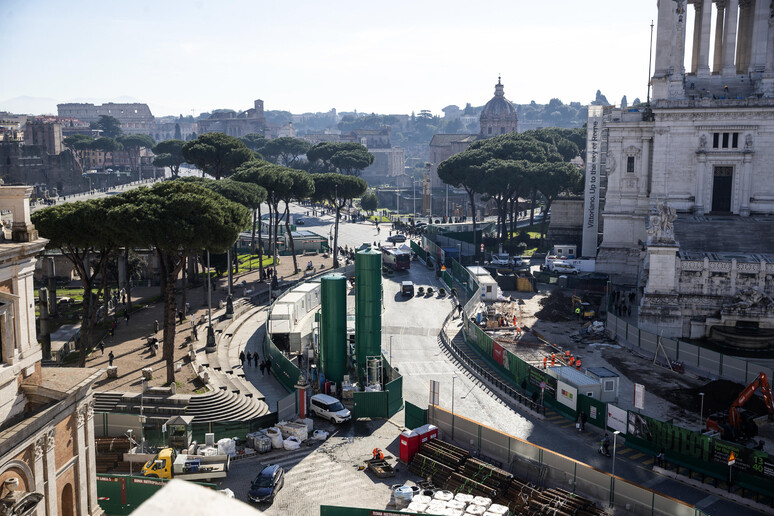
{"x":545,"y":361}
{"x":572,"y":361}
{"x":578,"y":364}
{"x":553,"y":359}
{"x":378,"y":455}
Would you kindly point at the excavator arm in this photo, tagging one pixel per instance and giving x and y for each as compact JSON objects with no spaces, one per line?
{"x":762,"y":383}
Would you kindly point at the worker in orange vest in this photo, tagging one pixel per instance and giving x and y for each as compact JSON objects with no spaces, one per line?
{"x":578,"y":364}
{"x":545,"y":361}
{"x":572,"y":361}
{"x":553,"y":359}
{"x":378,"y":455}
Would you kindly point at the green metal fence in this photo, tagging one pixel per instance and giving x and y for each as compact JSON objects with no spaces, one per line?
{"x":222,"y":429}
{"x":414,"y":416}
{"x":121,"y":494}
{"x":281,"y":367}
{"x":394,"y":396}
{"x":370,"y":404}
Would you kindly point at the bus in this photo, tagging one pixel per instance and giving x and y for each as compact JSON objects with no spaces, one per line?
{"x":395,"y":258}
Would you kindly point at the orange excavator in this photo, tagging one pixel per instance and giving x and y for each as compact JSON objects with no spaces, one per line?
{"x":737,"y":423}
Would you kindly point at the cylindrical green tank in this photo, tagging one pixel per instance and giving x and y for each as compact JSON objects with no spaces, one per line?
{"x":368,"y":307}
{"x":333,"y":326}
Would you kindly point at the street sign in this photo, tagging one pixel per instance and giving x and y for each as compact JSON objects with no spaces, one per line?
{"x":434,"y":390}
{"x":482,"y":247}
{"x":543,"y":385}
{"x":731,"y":459}
{"x":639,"y":396}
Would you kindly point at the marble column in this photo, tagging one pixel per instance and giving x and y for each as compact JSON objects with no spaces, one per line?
{"x":744,"y":209}
{"x":664,"y":37}
{"x":703,"y":69}
{"x":717,"y":66}
{"x":760,"y":38}
{"x":678,"y":59}
{"x":743,"y":37}
{"x":50,"y":457}
{"x":729,"y":37}
{"x":39,"y":470}
{"x":81,"y":471}
{"x":697,"y":36}
{"x":92,"y":459}
{"x":770,"y":47}
{"x":701,"y":178}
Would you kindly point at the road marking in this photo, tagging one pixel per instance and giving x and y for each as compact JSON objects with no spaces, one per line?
{"x":636,"y":456}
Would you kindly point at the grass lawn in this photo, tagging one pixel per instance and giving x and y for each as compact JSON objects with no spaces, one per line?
{"x":251,"y":262}
{"x":76,"y":294}
{"x":380,"y":218}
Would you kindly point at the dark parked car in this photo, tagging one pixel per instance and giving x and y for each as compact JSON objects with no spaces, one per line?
{"x":396,"y":239}
{"x":269,"y":481}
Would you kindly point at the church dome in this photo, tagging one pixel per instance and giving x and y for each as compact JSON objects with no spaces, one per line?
{"x":499,"y":105}
{"x":499,"y":115}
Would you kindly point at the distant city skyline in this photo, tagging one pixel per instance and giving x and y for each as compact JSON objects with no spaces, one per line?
{"x":193,"y":57}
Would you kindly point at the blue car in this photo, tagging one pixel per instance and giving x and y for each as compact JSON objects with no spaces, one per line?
{"x":269,"y":481}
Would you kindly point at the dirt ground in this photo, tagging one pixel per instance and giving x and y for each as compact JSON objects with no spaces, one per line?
{"x":669,"y":395}
{"x":129,"y":343}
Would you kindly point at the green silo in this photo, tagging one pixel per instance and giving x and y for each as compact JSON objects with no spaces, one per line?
{"x":368,"y":307}
{"x":333,"y":326}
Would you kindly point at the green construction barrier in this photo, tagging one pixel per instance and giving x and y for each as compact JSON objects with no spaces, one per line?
{"x":394,"y":396}
{"x":122,"y":494}
{"x":370,"y":404}
{"x":281,"y":367}
{"x":414,"y":416}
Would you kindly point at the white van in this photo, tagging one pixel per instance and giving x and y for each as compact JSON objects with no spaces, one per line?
{"x":560,"y":267}
{"x":328,"y":407}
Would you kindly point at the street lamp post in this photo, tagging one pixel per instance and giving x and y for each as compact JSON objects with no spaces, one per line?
{"x":701,"y":412}
{"x":210,"y":331}
{"x":615,"y":439}
{"x":453,"y":378}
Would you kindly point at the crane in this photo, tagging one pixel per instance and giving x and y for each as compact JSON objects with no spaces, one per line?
{"x":736,"y":422}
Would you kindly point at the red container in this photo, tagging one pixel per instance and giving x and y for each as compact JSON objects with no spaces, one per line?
{"x":409,"y":445}
{"x":426,"y":432}
{"x":327,"y":388}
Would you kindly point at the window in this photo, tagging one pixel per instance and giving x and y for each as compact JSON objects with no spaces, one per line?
{"x":725,"y":140}
{"x":735,"y":141}
{"x":715,"y":140}
{"x":489,"y":131}
{"x":630,"y":164}
{"x":502,"y":130}
{"x":609,"y":385}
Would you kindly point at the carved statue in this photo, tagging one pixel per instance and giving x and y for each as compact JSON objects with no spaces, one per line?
{"x":661,"y":227}
{"x":748,"y":142}
{"x":703,"y":142}
{"x":610,"y":164}
{"x":751,"y":297}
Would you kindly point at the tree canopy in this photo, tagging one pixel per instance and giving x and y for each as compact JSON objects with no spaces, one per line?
{"x":285,"y":150}
{"x":254,"y":141}
{"x":337,"y":189}
{"x":369,"y":202}
{"x":217,"y":154}
{"x":169,"y":153}
{"x":177,"y":218}
{"x":109,"y":125}
{"x":346,"y":157}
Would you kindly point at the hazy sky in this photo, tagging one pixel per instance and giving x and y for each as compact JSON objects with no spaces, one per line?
{"x":298,"y":55}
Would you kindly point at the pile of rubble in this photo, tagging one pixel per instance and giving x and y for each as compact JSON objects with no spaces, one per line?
{"x":555,"y":308}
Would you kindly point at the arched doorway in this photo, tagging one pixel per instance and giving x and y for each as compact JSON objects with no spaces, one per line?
{"x":67,"y":502}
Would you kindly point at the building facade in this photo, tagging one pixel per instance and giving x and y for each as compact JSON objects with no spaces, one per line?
{"x":47,"y":450}
{"x":135,"y":118}
{"x":45,"y":133}
{"x":235,"y":124}
{"x":694,"y":165}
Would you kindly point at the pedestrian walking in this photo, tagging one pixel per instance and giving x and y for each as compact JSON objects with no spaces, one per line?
{"x":187,"y":308}
{"x":242,"y":358}
{"x":249,"y":358}
{"x":256,"y":358}
{"x":263,"y":367}
{"x":126,"y":316}
{"x":180,"y":316}
{"x":268,"y":366}
{"x":156,"y":326}
{"x":660,"y":458}
{"x":582,"y":419}
{"x":111,"y":357}
{"x":102,"y":346}
{"x":195,"y":333}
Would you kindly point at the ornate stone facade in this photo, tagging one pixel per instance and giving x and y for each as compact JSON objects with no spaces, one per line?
{"x":703,"y":147}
